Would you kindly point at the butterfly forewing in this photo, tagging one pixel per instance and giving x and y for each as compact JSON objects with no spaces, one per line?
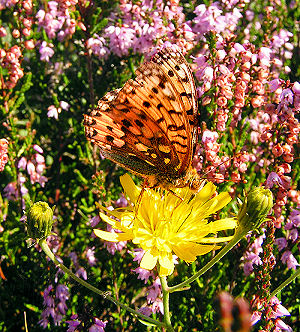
{"x":147,"y":125}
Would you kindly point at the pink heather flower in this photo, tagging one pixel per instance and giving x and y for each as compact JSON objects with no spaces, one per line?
{"x":38,"y":149}
{"x":287,"y":96}
{"x":112,"y":247}
{"x":277,"y":310}
{"x":212,"y":18}
{"x":145,"y":310}
{"x":281,"y":242}
{"x":3,"y":32}
{"x":53,"y":112}
{"x":252,"y":255}
{"x":46,"y":52}
{"x":11,"y":192}
{"x":264,"y":56}
{"x":64,"y":105}
{"x":97,"y":46}
{"x":3,"y":153}
{"x":278,"y":179}
{"x":295,"y":217}
{"x":54,"y":309}
{"x":288,"y":259}
{"x":275,"y":84}
{"x":154,"y":291}
{"x":81,"y":272}
{"x":90,"y":255}
{"x":94,"y":221}
{"x":98,"y":326}
{"x":293,"y":235}
{"x":143,"y":274}
{"x":296,"y":88}
{"x":209,"y":136}
{"x":121,"y":39}
{"x":73,"y":323}
{"x":158,"y":306}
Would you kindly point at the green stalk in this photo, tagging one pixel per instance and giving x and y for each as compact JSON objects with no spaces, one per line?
{"x":166,"y":295}
{"x":239,"y":234}
{"x":105,"y":295}
{"x":285,"y":283}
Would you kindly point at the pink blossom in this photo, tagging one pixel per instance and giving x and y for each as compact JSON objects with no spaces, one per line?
{"x":143,"y":274}
{"x":3,"y":153}
{"x":38,"y":149}
{"x":287,"y":96}
{"x":264,"y":56}
{"x":296,"y":88}
{"x":209,"y":136}
{"x":293,"y":235}
{"x":281,"y":242}
{"x":154,"y":291}
{"x":81,"y":272}
{"x":278,"y":179}
{"x":288,"y":259}
{"x":90,"y":255}
{"x":97,"y":46}
{"x":295,"y":217}
{"x":3,"y":32}
{"x":145,"y":310}
{"x":98,"y":326}
{"x":112,"y":247}
{"x":94,"y":221}
{"x":53,"y":112}
{"x":46,"y":51}
{"x":121,"y":39}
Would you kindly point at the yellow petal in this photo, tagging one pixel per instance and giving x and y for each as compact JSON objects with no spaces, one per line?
{"x":163,"y":272}
{"x":115,"y":223}
{"x":130,"y":189}
{"x":148,"y":261}
{"x":216,"y":239}
{"x":166,"y":261}
{"x":114,"y":212}
{"x":223,"y":224}
{"x":113,"y":237}
{"x":189,"y":251}
{"x":215,"y":204}
{"x":205,"y":193}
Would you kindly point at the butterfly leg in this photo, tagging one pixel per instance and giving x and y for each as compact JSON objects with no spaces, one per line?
{"x":139,"y":200}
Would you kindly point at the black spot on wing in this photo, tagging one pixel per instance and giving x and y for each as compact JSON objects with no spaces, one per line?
{"x":109,"y":138}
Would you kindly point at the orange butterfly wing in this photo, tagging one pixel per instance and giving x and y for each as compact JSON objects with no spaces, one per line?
{"x":147,"y":126}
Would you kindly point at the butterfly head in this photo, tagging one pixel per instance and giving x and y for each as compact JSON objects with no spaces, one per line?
{"x":195,"y":182}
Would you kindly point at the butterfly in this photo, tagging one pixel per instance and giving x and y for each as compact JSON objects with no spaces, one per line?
{"x":149,"y":126}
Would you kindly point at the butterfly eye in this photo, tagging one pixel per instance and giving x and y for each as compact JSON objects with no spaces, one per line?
{"x":197,"y":183}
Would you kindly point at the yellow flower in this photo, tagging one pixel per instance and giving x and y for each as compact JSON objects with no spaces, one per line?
{"x":165,"y":224}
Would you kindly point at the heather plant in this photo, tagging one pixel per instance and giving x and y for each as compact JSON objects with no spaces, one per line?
{"x":57,"y":59}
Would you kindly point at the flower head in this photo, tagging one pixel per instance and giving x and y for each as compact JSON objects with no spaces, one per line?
{"x":165,"y":224}
{"x":39,"y":220}
{"x":255,"y":208}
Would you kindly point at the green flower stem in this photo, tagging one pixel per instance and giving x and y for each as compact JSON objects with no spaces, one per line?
{"x":285,"y":283}
{"x":239,"y":234}
{"x":166,"y":294}
{"x":105,"y":295}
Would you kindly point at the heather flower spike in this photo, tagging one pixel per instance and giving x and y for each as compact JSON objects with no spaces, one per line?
{"x":255,"y":208}
{"x":163,"y":225}
{"x":39,"y":220}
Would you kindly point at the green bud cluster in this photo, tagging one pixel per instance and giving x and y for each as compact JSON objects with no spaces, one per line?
{"x":255,"y":208}
{"x":39,"y":220}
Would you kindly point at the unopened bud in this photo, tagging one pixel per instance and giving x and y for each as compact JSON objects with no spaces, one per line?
{"x":255,"y":208}
{"x":39,"y":220}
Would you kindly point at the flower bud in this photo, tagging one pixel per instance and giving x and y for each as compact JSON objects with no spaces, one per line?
{"x":255,"y":208}
{"x":39,"y":220}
